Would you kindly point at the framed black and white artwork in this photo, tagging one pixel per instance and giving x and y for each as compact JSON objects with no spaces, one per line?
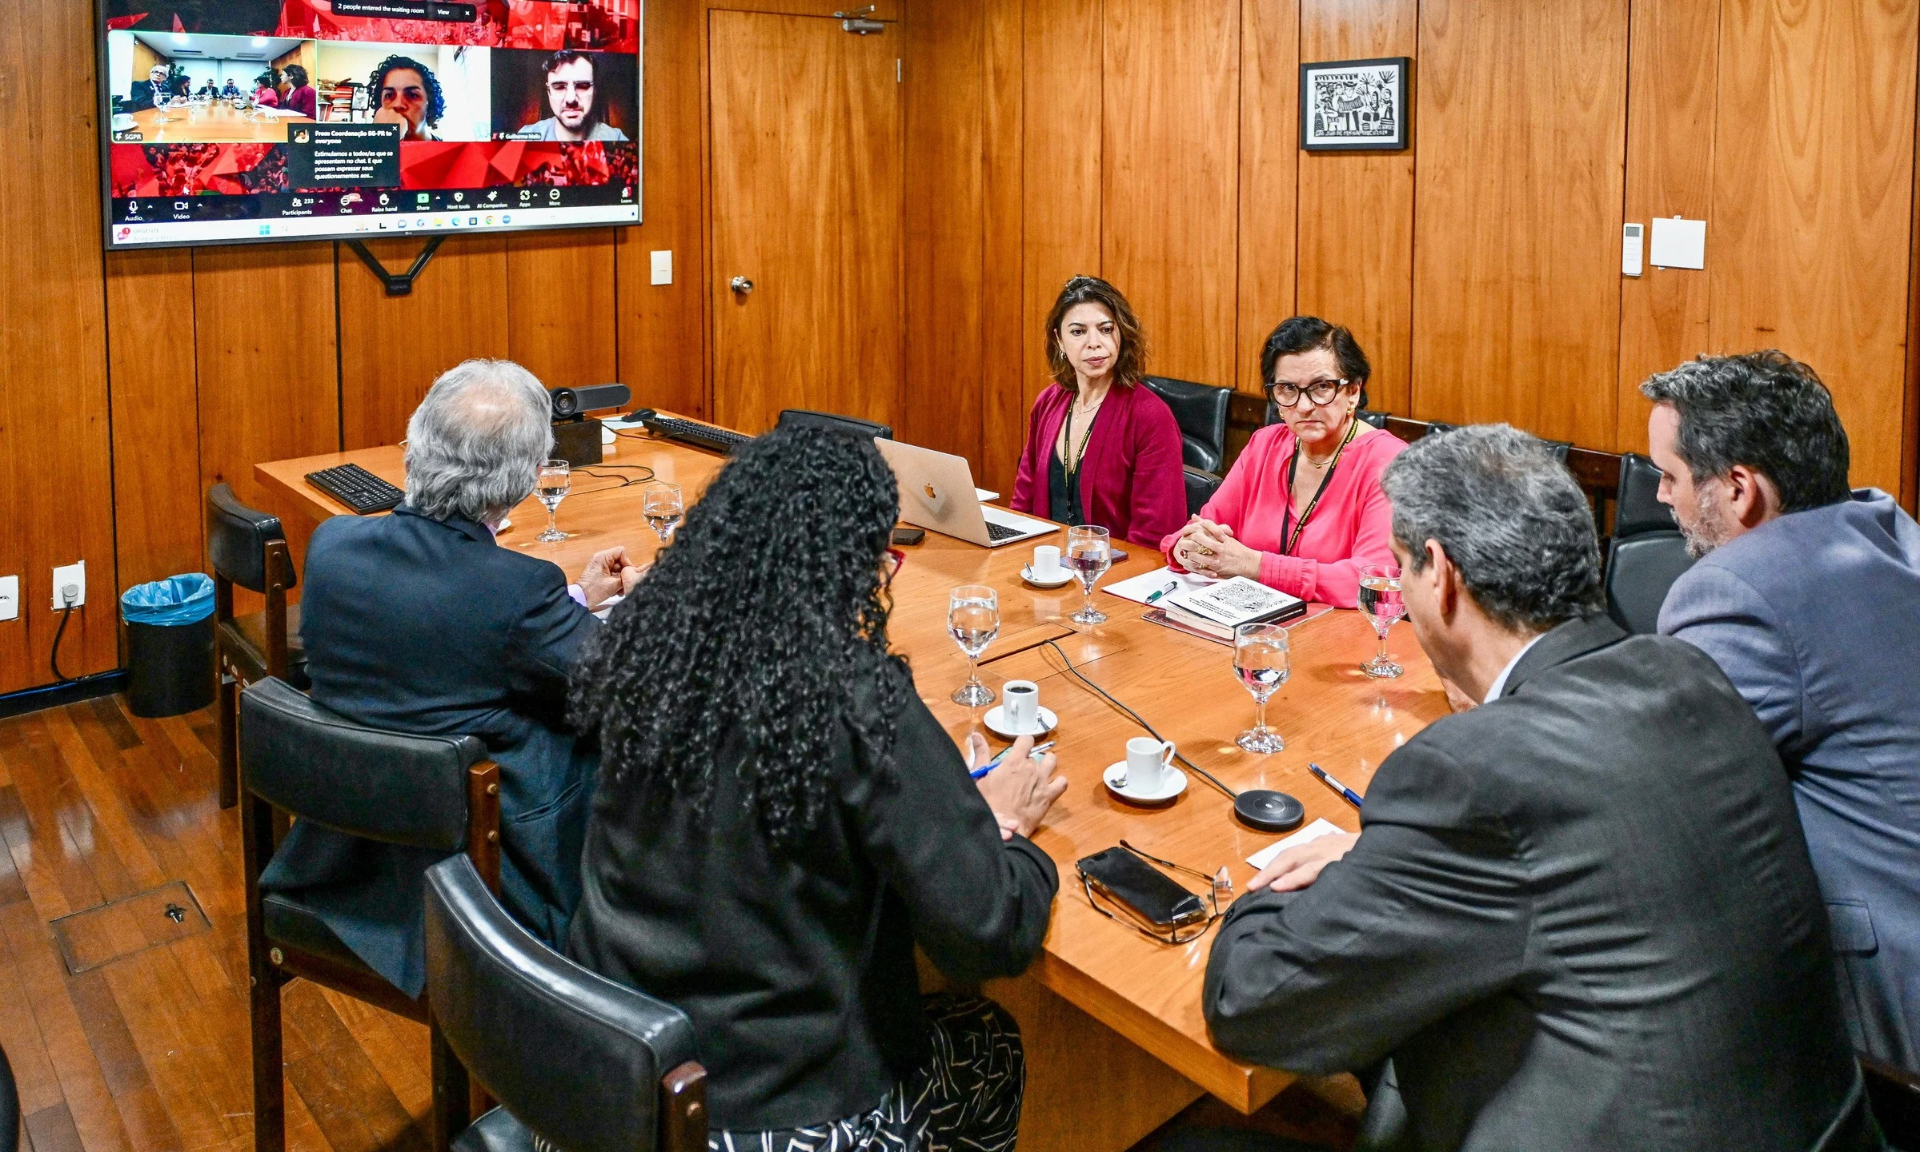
{"x":1354,"y":105}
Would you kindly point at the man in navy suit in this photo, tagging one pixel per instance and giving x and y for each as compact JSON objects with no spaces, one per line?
{"x":1808,"y":596}
{"x":417,"y":622}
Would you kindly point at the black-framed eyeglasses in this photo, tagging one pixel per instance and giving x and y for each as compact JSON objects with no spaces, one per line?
{"x":1320,"y":391}
{"x":1186,"y":931}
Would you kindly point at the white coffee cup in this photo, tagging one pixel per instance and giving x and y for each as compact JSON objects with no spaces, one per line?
{"x":1046,"y":562}
{"x":1147,"y":761}
{"x":1022,"y":706}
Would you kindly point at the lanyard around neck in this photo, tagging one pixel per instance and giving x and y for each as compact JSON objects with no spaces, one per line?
{"x":1290,"y":533}
{"x":1073,"y":468}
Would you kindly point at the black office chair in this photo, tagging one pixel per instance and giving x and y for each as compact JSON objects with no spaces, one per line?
{"x":589,"y":1064}
{"x":1647,"y":554}
{"x":1201,"y":412}
{"x":1894,"y":1094}
{"x":1559,"y":449}
{"x":249,"y":549}
{"x":440,"y":793}
{"x":1200,"y":488}
{"x":9,"y":1107}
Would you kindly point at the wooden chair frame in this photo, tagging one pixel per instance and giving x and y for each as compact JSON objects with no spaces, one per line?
{"x":236,"y":666}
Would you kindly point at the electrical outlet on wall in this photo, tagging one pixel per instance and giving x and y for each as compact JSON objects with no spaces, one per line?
{"x":74,"y":574}
{"x":9,"y":597}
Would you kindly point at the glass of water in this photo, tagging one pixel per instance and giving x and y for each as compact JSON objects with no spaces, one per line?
{"x":1380,"y":600}
{"x":973,"y":620}
{"x":664,"y":508}
{"x":1260,"y":660}
{"x":1089,"y":555}
{"x":554,"y":481}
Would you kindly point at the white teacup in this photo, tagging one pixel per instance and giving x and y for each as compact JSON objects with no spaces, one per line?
{"x":1046,"y":562}
{"x":1021,"y":706}
{"x":1147,"y":761}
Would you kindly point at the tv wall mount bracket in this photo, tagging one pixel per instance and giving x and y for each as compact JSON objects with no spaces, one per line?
{"x":398,"y":283}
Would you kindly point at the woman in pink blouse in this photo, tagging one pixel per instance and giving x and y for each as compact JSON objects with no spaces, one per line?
{"x":1302,"y":509}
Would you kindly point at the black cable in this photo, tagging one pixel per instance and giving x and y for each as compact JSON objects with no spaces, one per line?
{"x":1137,"y":719}
{"x":54,"y":659}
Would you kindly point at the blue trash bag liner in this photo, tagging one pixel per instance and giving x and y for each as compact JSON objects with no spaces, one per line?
{"x":176,"y":600}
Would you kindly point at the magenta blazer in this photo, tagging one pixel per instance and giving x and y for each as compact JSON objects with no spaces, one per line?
{"x":1131,"y":482}
{"x":1350,"y":528}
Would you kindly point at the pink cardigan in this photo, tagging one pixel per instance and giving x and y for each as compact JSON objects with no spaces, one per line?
{"x":1131,"y":482}
{"x":1350,"y":528}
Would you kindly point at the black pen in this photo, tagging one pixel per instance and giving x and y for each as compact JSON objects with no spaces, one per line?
{"x":1349,"y":794}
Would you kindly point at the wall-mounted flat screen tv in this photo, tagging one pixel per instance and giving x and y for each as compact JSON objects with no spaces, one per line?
{"x":237,"y":121}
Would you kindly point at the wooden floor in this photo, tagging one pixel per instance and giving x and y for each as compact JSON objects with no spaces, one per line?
{"x":149,"y":1051}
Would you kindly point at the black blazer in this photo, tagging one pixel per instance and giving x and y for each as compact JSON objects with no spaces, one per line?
{"x":1579,"y":917}
{"x":425,"y":626}
{"x":797,"y":967}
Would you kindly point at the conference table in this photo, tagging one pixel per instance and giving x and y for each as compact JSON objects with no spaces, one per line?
{"x":1115,"y":1040}
{"x":213,"y":122}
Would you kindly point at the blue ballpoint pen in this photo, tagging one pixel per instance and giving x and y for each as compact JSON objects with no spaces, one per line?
{"x":995,"y":762}
{"x":1171,"y":585}
{"x":1351,"y":796}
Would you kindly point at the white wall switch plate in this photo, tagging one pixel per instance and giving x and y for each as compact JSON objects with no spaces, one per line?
{"x":1632,"y":248}
{"x":663,"y":267}
{"x":9,"y":597}
{"x":1678,"y":243}
{"x":69,"y":574}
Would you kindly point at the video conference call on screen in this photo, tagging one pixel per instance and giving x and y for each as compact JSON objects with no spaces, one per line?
{"x":236,"y":120}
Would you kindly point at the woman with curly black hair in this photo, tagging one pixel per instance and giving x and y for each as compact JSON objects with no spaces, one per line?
{"x":780,"y":820}
{"x":406,"y":93}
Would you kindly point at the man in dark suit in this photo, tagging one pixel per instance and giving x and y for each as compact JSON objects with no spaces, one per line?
{"x":417,"y":622}
{"x":1578,"y":916}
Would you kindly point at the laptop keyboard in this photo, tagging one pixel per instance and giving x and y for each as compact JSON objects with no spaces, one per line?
{"x":1003,"y":531}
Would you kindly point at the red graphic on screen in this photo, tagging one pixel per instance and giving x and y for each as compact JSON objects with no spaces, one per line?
{"x":482,"y":165}
{"x":606,"y":25}
{"x":188,"y":169}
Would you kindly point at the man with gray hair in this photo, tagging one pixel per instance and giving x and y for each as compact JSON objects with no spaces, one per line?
{"x":1807,"y":595}
{"x":1578,"y":916}
{"x":417,"y":622}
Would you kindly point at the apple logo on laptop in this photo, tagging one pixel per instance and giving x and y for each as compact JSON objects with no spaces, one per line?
{"x":936,"y":501}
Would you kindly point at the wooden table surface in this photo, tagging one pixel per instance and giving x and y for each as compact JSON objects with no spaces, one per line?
{"x":1328,"y":712}
{"x":216,"y":122}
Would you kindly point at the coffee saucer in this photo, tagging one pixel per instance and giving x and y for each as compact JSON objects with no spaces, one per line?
{"x":1172,"y":783}
{"x":996,"y":721}
{"x":1026,"y":574}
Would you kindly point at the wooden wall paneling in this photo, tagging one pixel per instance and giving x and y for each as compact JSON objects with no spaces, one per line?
{"x":1673,"y":85}
{"x":1169,"y":167}
{"x":1519,"y":145}
{"x":560,"y":306}
{"x":158,"y":505}
{"x":1808,"y":245}
{"x":392,"y":347}
{"x":661,"y":337}
{"x":1004,"y":368}
{"x":269,"y":365}
{"x":1269,"y":179}
{"x":945,"y":70}
{"x":1356,"y":208}
{"x":889,"y":10}
{"x":55,"y":456}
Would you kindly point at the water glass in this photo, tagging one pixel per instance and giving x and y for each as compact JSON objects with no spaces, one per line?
{"x":552,"y":484}
{"x":1089,"y":555}
{"x":1380,"y":600}
{"x":973,"y":620}
{"x":664,"y":508}
{"x":1260,"y":660}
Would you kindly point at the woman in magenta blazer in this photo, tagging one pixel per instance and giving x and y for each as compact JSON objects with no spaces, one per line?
{"x":1101,"y":447}
{"x":1302,"y":509}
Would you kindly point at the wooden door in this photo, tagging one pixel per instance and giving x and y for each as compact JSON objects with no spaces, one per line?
{"x":806,"y":206}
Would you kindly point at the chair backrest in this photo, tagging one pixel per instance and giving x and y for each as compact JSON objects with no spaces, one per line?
{"x":1201,"y":412}
{"x":1376,"y":419}
{"x":237,"y":539}
{"x":320,"y":766}
{"x":1638,"y":509}
{"x":1641,"y":570}
{"x":573,"y":1056}
{"x":9,"y":1107}
{"x":1200,"y":488}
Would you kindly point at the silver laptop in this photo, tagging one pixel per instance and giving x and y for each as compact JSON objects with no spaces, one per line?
{"x":937,"y":493}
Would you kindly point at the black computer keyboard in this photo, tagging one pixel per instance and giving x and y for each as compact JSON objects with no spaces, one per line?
{"x":357,"y":488}
{"x":1002,"y":531}
{"x":691,"y":432}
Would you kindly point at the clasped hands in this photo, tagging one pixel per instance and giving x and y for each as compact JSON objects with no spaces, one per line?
{"x":610,"y":573}
{"x":1206,"y":548}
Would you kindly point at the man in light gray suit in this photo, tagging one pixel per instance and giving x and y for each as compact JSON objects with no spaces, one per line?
{"x":1808,"y":596}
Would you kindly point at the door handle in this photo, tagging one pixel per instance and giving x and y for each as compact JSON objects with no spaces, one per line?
{"x":741,"y":285}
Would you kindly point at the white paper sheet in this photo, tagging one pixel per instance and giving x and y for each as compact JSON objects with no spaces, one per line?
{"x":1313,"y":831}
{"x":1678,"y":243}
{"x":987,"y":496}
{"x":1138,"y":588}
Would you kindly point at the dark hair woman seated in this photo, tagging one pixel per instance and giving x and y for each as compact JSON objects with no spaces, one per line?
{"x":780,"y":820}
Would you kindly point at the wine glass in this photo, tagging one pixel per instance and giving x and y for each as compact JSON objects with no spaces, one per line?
{"x":973,"y":620}
{"x":555,"y":479}
{"x":664,"y":508}
{"x":1260,"y":660}
{"x":1380,"y":600}
{"x":1089,"y":554}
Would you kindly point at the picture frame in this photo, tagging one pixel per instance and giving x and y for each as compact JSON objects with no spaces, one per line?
{"x":1355,"y":105}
